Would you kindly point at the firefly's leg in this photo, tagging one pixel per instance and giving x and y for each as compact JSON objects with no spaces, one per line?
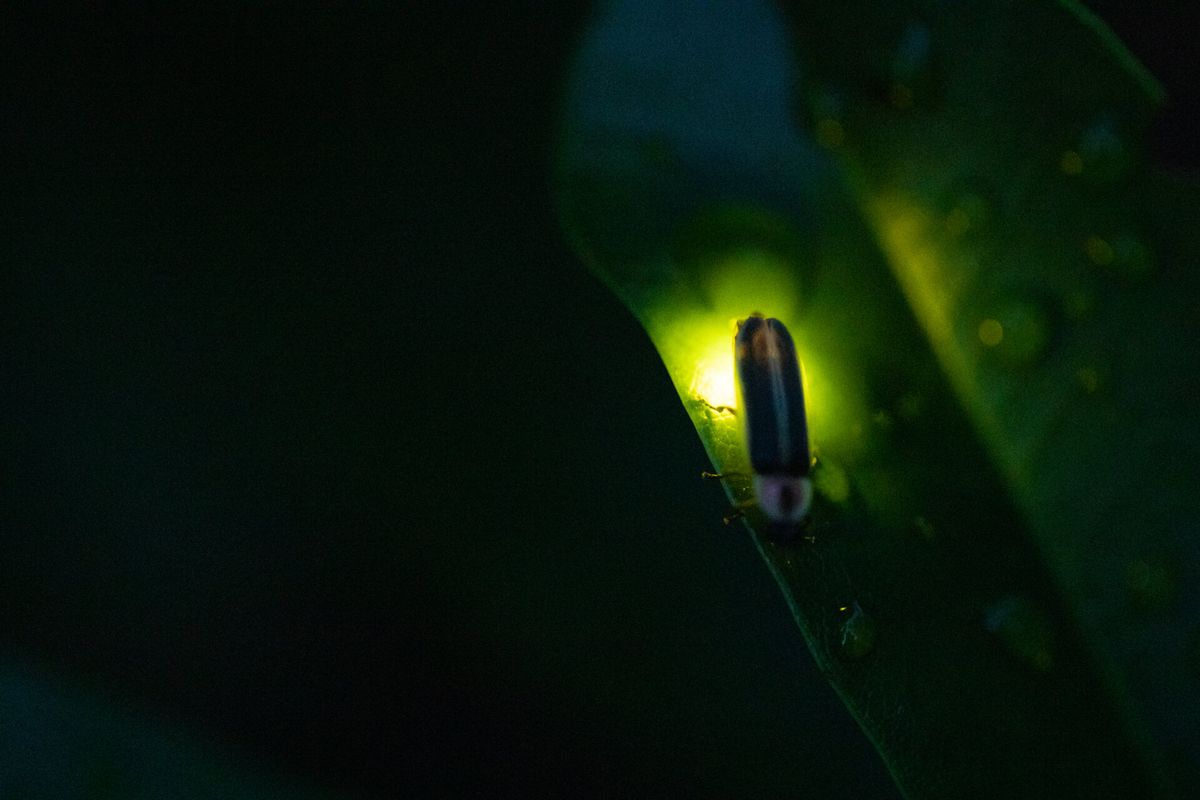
{"x":719,"y":409}
{"x":737,"y":512}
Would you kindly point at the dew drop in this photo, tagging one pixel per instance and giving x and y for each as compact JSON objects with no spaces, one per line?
{"x":1151,"y":584}
{"x":1024,"y":629}
{"x":856,"y":634}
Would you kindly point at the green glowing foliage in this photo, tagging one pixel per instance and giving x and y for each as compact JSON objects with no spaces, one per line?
{"x":993,"y":298}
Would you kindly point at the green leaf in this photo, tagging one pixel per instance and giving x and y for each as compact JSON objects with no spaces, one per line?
{"x":990,"y":294}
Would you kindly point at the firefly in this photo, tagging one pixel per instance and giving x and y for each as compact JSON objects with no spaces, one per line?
{"x":771,"y":407}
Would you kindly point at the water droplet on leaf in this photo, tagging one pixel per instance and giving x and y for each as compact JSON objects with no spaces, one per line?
{"x":857,"y":633}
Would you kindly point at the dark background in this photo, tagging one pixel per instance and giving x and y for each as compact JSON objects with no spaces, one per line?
{"x":318,"y":440}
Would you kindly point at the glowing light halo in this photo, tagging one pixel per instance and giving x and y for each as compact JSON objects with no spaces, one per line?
{"x":713,"y":379}
{"x":694,"y":333}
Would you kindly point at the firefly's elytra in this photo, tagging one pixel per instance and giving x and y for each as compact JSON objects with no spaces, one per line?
{"x":771,"y":406}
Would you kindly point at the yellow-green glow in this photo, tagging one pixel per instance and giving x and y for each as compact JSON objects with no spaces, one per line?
{"x":713,"y":378}
{"x":752,"y":280}
{"x":697,"y":347}
{"x":933,"y":273}
{"x":833,"y":482}
{"x":694,"y":335}
{"x":910,"y":238}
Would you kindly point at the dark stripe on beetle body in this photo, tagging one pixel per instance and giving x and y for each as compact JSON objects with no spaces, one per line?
{"x":771,"y":397}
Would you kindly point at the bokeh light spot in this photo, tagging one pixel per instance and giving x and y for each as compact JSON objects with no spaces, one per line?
{"x":991,"y":332}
